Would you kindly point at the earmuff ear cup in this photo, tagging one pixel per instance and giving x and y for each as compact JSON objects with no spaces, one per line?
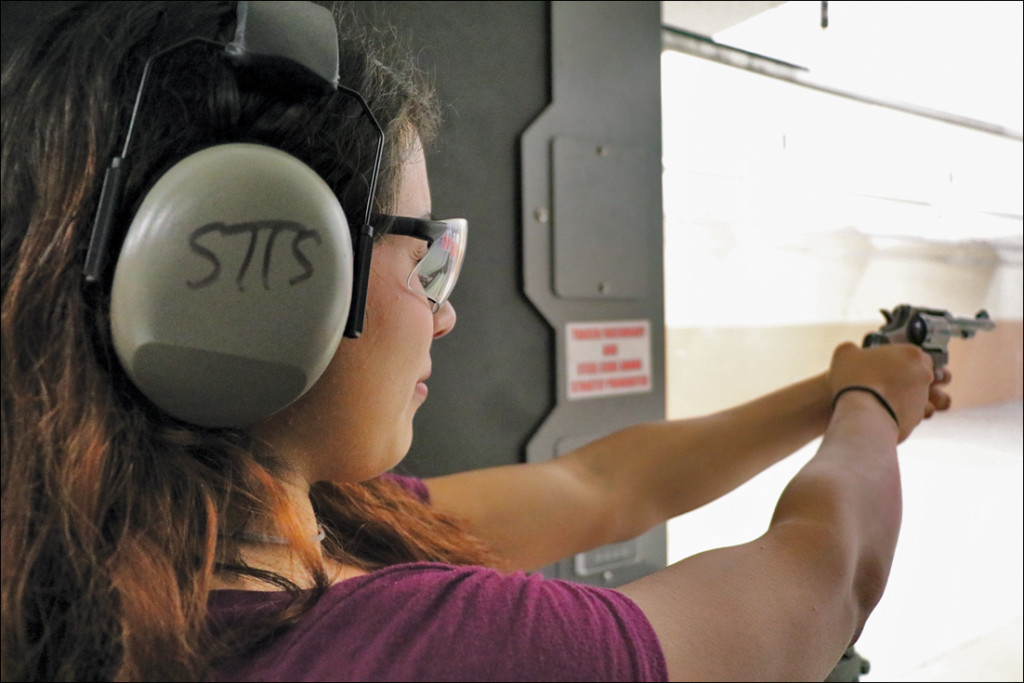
{"x":233,"y":285}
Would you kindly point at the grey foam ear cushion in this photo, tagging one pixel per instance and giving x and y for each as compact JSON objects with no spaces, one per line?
{"x":233,"y":285}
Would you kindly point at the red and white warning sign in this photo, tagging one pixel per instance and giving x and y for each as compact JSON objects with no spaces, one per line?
{"x":608,"y":358}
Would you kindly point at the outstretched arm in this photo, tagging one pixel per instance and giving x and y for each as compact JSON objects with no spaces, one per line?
{"x":782,"y":607}
{"x":786,"y":605}
{"x":617,"y":487}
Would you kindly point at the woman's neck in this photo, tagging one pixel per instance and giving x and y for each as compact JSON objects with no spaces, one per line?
{"x":275,"y":545}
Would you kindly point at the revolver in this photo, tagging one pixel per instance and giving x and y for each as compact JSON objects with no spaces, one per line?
{"x":929,"y":328}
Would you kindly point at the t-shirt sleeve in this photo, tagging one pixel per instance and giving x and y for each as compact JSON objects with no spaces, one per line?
{"x":530,"y":628}
{"x":435,"y":622}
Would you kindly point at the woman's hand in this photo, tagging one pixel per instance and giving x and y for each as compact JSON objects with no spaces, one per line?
{"x":901,"y":373}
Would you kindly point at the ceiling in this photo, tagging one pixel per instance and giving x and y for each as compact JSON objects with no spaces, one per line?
{"x":708,"y":18}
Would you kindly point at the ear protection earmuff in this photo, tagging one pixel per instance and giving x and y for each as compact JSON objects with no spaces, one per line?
{"x":237,"y":276}
{"x":233,"y":285}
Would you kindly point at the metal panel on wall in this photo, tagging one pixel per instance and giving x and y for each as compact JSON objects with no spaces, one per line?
{"x":592,"y":244}
{"x":597,"y":250}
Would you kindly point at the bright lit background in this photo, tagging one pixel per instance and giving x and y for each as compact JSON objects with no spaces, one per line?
{"x":793,"y":214}
{"x":796,"y":205}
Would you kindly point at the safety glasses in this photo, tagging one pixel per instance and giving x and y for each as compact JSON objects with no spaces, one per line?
{"x":437,"y":272}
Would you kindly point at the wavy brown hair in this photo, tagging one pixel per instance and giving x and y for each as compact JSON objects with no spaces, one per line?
{"x":115,"y":516}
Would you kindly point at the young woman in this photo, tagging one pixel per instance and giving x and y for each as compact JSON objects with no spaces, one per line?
{"x":146,"y":540}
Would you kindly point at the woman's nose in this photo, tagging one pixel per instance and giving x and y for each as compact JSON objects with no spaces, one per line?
{"x":444,"y":320}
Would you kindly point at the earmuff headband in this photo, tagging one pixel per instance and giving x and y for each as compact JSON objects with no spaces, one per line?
{"x":309,"y":49}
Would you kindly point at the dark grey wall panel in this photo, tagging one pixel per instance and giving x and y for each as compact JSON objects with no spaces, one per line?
{"x":492,"y":382}
{"x":17,"y":15}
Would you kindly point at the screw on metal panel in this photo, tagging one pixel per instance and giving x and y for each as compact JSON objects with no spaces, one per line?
{"x":602,"y":151}
{"x":607,"y":576}
{"x":541,"y":214}
{"x":603,"y":287}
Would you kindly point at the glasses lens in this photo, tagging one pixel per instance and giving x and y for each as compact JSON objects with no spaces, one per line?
{"x":439,"y":269}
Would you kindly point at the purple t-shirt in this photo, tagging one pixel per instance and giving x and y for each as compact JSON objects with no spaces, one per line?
{"x":429,"y":621}
{"x":436,"y":622}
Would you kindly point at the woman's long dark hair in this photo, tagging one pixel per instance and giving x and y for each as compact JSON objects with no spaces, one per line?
{"x":114,"y":514}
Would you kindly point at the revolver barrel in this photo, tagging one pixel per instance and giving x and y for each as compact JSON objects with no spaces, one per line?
{"x":929,"y":328}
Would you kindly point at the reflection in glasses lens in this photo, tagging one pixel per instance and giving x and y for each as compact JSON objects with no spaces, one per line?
{"x":438,"y":271}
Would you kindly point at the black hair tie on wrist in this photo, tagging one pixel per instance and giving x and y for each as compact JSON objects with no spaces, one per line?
{"x":858,"y":387}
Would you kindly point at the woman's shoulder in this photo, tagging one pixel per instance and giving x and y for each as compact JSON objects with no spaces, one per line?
{"x":432,"y":621}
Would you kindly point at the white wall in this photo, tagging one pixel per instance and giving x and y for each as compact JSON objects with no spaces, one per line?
{"x":792,"y":217}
